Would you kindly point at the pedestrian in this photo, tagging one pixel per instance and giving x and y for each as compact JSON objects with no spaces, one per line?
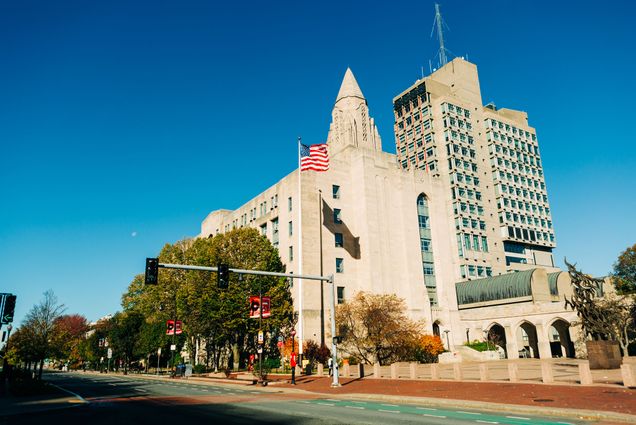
{"x":292,"y":363}
{"x":330,"y":365}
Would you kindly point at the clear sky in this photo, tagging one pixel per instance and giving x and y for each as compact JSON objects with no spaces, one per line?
{"x":124,"y":123}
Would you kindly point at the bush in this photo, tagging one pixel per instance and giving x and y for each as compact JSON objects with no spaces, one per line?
{"x":428,"y":348}
{"x":200,"y":368}
{"x":316,"y":354}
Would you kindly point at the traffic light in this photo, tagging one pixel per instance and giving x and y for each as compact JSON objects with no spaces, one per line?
{"x":152,"y":271}
{"x":9,"y":309}
{"x":223,"y":276}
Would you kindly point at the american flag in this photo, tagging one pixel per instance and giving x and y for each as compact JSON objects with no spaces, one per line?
{"x":314,"y":157}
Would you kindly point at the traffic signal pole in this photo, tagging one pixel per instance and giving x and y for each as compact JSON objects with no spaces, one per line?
{"x":329,"y":279}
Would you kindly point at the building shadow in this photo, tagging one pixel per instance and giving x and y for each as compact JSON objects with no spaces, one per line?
{"x":351,"y":242}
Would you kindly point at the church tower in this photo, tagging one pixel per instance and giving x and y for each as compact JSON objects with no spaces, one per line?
{"x":351,"y":124}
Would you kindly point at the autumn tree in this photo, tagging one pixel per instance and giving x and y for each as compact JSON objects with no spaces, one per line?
{"x":376,"y":328}
{"x":624,"y":275}
{"x":69,"y":332}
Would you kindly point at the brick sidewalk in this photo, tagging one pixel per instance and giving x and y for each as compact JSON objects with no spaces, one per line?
{"x":596,"y":398}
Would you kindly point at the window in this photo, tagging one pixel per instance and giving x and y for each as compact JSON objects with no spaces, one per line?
{"x":291,"y":253}
{"x":425,"y":244}
{"x":335,"y":190}
{"x":471,"y":270}
{"x":337,"y":216}
{"x":289,"y":203}
{"x":339,"y":239}
{"x":341,"y":294}
{"x":423,"y":221}
{"x":484,"y":243}
{"x":429,"y":270}
{"x":275,"y":232}
{"x":339,"y":265}
{"x":291,"y":228}
{"x":264,"y":229}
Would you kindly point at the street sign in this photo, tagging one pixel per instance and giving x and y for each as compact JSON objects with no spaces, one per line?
{"x":261,"y":338}
{"x":159,"y":351}
{"x":260,"y":350}
{"x":110,"y":353}
{"x":280,"y":338}
{"x":173,"y":347}
{"x":280,"y":344}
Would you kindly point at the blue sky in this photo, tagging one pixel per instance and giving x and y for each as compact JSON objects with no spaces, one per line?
{"x":138,"y":118}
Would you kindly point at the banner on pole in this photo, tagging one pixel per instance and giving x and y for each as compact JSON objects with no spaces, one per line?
{"x":255,"y":305}
{"x":170,"y":328}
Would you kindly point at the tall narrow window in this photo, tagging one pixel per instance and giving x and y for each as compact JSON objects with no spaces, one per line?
{"x":291,"y":253}
{"x":289,"y":203}
{"x":341,"y":294}
{"x":337,"y":216}
{"x":339,"y":239}
{"x":275,"y":232}
{"x":339,"y":265}
{"x":291,"y":228}
{"x":335,"y":191}
{"x":426,"y":247}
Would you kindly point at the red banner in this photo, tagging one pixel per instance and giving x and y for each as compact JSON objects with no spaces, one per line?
{"x":255,"y":304}
{"x":170,"y":327}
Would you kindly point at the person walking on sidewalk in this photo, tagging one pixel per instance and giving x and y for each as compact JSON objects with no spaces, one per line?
{"x":330,"y":365}
{"x":293,"y":363}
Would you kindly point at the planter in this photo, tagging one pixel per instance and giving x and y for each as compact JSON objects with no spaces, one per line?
{"x":603,"y":354}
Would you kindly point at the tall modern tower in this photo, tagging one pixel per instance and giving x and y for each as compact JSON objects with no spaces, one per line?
{"x":489,"y":161}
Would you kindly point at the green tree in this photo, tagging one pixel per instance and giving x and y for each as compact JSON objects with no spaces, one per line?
{"x":624,"y":275}
{"x":124,"y":336}
{"x":376,"y":328}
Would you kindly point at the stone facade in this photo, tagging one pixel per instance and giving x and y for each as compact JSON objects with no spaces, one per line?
{"x":381,"y":225}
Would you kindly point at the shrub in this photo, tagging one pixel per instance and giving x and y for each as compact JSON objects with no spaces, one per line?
{"x":200,"y":368}
{"x":428,"y":348}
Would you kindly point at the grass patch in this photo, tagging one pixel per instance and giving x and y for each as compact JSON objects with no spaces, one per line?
{"x":482,"y":346}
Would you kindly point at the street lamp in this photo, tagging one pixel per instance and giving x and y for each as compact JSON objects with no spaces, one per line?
{"x":447,"y":340}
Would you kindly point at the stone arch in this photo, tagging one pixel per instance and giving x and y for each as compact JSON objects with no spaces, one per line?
{"x":527,"y":339}
{"x":496,"y":334}
{"x":561,"y":344}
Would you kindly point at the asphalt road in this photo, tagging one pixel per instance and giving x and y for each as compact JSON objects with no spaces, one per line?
{"x":119,"y":400}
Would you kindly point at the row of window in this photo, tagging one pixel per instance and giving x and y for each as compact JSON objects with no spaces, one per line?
{"x":462,"y":192}
{"x":459,"y":137}
{"x":521,"y":206}
{"x":470,"y":242}
{"x":530,"y":235}
{"x":467,"y":207}
{"x":517,"y":165}
{"x":459,"y":123}
{"x":492,"y":123}
{"x":501,"y":189}
{"x":468,"y":179}
{"x":496,"y":148}
{"x":525,"y":219}
{"x":475,"y":271}
{"x":532,"y":183}
{"x":469,"y":223}
{"x":462,"y":165}
{"x":449,"y":107}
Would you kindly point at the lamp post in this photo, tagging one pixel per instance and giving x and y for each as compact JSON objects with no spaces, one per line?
{"x":447,"y":340}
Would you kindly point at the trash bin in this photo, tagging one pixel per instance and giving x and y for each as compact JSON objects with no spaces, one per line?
{"x":308,"y":369}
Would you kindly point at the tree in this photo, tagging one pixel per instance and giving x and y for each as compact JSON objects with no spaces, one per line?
{"x":625,"y":271}
{"x":124,"y":335}
{"x":68,"y":333}
{"x":216,"y":318}
{"x":375,"y":328}
{"x":602,"y":316}
{"x":316,"y":353}
{"x":39,"y":327}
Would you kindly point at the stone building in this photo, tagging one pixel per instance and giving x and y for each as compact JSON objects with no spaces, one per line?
{"x":457,"y":223}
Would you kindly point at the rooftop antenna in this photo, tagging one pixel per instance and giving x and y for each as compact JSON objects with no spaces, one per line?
{"x":438,"y":22}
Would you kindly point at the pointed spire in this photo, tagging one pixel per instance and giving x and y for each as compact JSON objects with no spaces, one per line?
{"x":349,"y":87}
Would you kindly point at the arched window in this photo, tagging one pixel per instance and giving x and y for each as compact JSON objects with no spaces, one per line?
{"x":426,"y":246}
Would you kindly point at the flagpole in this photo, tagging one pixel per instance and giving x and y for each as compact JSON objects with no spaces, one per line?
{"x":300,"y":258}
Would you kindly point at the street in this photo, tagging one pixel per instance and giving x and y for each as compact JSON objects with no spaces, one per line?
{"x":117,"y":399}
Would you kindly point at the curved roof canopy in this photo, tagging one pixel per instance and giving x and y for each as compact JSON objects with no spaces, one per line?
{"x":510,"y":285}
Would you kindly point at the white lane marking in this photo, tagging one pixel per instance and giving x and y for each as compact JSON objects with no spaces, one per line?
{"x":359,"y":402}
{"x":79,"y":397}
{"x":565,"y":423}
{"x":519,"y":417}
{"x":486,"y":422}
{"x":390,"y":405}
{"x":469,"y":413}
{"x":305,"y":402}
{"x":388,"y":411}
{"x":331,"y":399}
{"x":327,"y":404}
{"x":425,"y":408}
{"x":433,"y":416}
{"x":355,"y":407}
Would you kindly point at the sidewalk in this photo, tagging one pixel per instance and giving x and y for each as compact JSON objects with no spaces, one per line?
{"x":11,"y":405}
